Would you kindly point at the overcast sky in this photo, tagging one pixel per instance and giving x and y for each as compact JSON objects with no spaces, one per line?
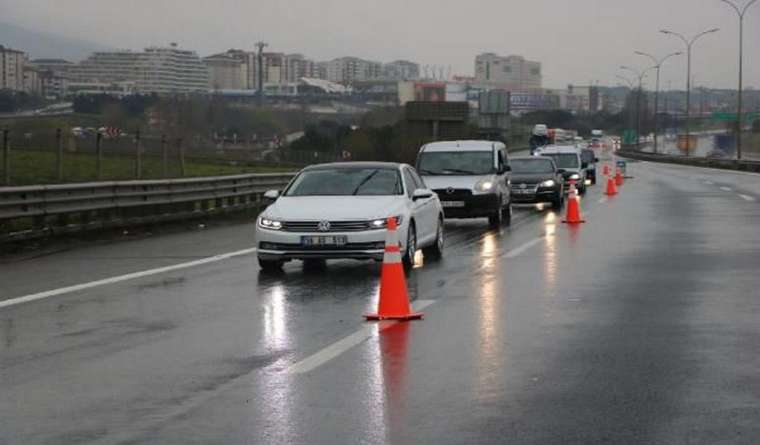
{"x":578,"y":41}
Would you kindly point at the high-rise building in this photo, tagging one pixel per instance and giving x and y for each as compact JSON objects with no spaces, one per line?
{"x":346,"y":70}
{"x":158,"y":70}
{"x":297,"y":67}
{"x":513,"y":73}
{"x":401,"y":70}
{"x":227,"y":72}
{"x":11,"y":69}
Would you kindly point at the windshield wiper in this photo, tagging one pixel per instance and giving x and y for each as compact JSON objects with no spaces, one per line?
{"x":364,"y":181}
{"x":429,"y":172}
{"x":456,"y":170}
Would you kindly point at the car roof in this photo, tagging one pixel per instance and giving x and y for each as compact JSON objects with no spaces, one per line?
{"x":532,"y":158}
{"x":334,"y":165}
{"x":559,"y":149}
{"x":462,"y":146}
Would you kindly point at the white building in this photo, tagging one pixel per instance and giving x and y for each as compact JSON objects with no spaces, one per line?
{"x":227,"y":72}
{"x":155,"y":70}
{"x":401,"y":70}
{"x":347,"y":70}
{"x":509,"y":73}
{"x":11,"y":69}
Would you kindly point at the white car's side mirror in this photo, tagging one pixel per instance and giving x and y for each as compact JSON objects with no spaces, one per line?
{"x":272,"y":194}
{"x":421,"y":194}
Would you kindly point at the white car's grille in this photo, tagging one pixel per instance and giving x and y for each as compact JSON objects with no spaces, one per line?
{"x":325,"y":226}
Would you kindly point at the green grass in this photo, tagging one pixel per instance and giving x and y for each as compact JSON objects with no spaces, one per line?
{"x":38,"y":167}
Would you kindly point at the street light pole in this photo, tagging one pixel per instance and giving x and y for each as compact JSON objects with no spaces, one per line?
{"x":741,"y":12}
{"x":689,"y":44}
{"x":630,"y":84}
{"x":657,"y":65}
{"x":641,"y":75}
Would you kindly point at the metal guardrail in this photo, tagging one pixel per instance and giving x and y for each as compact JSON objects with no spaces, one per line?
{"x":34,"y":211}
{"x":725,"y":164}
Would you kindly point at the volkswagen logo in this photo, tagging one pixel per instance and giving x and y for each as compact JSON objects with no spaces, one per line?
{"x":450,"y":190}
{"x":323,"y":226}
{"x":523,"y":186}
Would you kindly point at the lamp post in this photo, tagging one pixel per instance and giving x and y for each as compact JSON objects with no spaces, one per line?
{"x":741,"y":12}
{"x":689,"y":43}
{"x":657,"y":66}
{"x":260,"y":59}
{"x":641,"y":75}
{"x":630,"y":84}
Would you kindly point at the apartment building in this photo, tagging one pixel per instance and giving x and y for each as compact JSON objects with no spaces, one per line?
{"x":401,"y":70}
{"x":509,"y":73}
{"x":347,"y":70}
{"x":11,"y":69}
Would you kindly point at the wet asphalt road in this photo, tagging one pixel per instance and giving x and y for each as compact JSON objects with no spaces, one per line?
{"x":640,"y":326}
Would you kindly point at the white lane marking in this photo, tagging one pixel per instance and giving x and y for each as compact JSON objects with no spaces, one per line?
{"x":747,"y":198}
{"x":336,"y":349}
{"x":524,"y":248}
{"x":120,"y":278}
{"x":603,"y":200}
{"x":709,"y":183}
{"x":726,"y":189}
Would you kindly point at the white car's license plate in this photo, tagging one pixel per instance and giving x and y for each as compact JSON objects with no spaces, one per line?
{"x":324,"y":241}
{"x":452,"y":204}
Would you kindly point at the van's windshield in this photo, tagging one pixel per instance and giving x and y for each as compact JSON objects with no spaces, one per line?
{"x":456,"y":163}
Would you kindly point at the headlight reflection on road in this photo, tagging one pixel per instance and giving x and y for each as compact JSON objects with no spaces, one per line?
{"x":550,"y":252}
{"x":490,"y":316}
{"x":275,"y":316}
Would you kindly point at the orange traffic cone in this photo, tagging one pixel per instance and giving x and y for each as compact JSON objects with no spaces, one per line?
{"x":611,"y":187}
{"x":606,"y":170}
{"x":394,"y":299}
{"x":573,"y":207}
{"x":619,"y":178}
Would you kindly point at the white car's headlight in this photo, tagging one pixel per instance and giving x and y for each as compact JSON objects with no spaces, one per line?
{"x":383,"y":223}
{"x":549,"y":183}
{"x":575,"y":176}
{"x":266,"y":223}
{"x":485,"y":185}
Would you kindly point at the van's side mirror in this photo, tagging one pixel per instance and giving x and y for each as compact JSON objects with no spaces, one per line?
{"x":584,"y":164}
{"x":505,"y":169}
{"x":272,"y":194}
{"x":561,"y":171}
{"x":596,"y":159}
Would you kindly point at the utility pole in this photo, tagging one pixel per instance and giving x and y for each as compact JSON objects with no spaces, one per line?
{"x":260,"y":83}
{"x":657,"y":65}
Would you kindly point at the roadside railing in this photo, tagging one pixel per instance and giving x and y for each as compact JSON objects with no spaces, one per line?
{"x":725,"y":164}
{"x":36,"y":211}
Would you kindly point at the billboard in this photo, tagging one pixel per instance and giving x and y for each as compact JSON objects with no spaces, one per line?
{"x":533,"y":101}
{"x":430,"y":91}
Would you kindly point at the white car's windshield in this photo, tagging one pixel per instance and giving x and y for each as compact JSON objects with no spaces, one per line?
{"x":456,"y":163}
{"x":341,"y":181}
{"x":565,"y":160}
{"x":537,"y":165}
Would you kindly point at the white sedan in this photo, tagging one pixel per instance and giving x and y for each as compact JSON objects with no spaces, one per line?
{"x":341,"y":210}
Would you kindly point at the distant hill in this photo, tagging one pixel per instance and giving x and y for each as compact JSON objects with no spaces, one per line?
{"x":43,"y":45}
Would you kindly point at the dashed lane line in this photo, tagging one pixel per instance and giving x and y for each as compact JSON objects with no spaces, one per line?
{"x":726,"y":189}
{"x":120,"y":278}
{"x":747,"y":198}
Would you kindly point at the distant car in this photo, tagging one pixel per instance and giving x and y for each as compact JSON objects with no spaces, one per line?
{"x":568,"y":158}
{"x":537,"y":179}
{"x":341,"y":210}
{"x":471,"y":178}
{"x":589,"y":158}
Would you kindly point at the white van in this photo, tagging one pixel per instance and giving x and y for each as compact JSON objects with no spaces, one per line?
{"x":471,"y":178}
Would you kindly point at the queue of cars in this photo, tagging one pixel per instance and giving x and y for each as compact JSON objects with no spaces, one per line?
{"x":340,"y":210}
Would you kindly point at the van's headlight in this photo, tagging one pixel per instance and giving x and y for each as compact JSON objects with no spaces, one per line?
{"x":549,"y":183}
{"x":266,"y":223}
{"x":485,"y":185}
{"x":575,"y":176}
{"x":382,"y":223}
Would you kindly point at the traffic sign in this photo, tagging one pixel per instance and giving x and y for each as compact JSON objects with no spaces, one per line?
{"x":731,"y":117}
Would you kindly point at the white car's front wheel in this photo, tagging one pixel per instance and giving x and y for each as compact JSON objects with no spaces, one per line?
{"x":435,"y":250}
{"x":411,"y":246}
